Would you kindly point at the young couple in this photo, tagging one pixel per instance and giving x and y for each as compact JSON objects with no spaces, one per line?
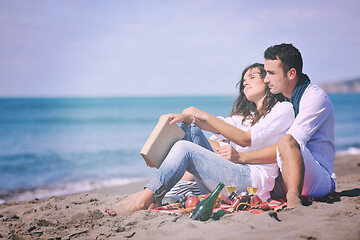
{"x":264,"y":134}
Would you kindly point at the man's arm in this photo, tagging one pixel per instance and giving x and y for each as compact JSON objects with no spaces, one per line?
{"x":261,"y":156}
{"x":315,"y":109}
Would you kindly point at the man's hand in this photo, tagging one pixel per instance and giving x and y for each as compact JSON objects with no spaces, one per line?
{"x":229,"y":153}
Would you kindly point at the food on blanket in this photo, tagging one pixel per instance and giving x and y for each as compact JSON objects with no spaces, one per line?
{"x":244,"y":200}
{"x":243,"y":197}
{"x":232,"y":196}
{"x":255,"y":200}
{"x":182,"y":200}
{"x":230,"y":189}
{"x":252,"y":190}
{"x":235,"y":201}
{"x":191,"y":202}
{"x":204,"y":209}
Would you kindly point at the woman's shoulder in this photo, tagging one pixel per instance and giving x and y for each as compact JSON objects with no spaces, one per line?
{"x":281,"y":113}
{"x":238,"y":121}
{"x":234,"y":119}
{"x":283,"y":106}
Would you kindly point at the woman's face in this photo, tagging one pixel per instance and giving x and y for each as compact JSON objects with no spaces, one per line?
{"x":254,"y":86}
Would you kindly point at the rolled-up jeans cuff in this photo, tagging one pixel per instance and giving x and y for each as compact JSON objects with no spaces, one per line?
{"x":157,"y":188}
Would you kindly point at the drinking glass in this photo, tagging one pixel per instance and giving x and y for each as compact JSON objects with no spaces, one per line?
{"x":252,"y":190}
{"x":231,"y":184}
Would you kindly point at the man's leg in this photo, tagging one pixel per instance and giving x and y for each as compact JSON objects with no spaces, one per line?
{"x":292,"y":169}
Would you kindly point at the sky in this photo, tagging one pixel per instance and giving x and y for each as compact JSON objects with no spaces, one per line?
{"x":114,"y":48}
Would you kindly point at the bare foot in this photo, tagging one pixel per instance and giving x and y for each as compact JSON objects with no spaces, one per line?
{"x":154,"y":205}
{"x":293,"y":200}
{"x":135,"y":202}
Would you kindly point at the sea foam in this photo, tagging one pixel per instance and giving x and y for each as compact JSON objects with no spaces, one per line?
{"x":65,"y":189}
{"x":349,"y":151}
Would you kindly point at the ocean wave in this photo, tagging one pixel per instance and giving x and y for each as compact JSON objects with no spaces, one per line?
{"x":62,"y":189}
{"x":67,"y":120}
{"x":54,"y":155}
{"x":349,"y":151}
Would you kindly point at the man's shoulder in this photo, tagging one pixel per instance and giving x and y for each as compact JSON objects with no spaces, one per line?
{"x":313,"y":88}
{"x":315,"y":95}
{"x":313,"y":91}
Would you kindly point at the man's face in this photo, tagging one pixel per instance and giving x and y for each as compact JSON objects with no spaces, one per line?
{"x":275,"y":79}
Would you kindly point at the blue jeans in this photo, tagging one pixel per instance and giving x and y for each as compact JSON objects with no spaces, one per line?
{"x":194,"y":154}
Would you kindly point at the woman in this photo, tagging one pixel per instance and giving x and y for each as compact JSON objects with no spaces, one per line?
{"x":258,"y":120}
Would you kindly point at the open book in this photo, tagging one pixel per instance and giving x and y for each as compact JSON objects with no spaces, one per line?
{"x":160,"y":142}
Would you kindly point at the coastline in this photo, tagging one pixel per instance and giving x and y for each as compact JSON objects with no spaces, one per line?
{"x":81,"y":216}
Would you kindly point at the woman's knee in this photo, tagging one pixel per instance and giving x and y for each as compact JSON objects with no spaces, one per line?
{"x":181,"y":147}
{"x":185,"y":150}
{"x":181,"y":143}
{"x":177,"y":154}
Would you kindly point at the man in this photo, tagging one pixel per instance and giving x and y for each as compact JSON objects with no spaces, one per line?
{"x":306,"y":153}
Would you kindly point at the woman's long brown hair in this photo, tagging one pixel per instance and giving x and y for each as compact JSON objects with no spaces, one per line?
{"x":243,"y":107}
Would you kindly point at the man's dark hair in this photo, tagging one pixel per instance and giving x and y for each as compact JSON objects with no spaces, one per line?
{"x":289,"y":56}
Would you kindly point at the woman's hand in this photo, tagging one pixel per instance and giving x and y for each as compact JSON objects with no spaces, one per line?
{"x":179,"y":118}
{"x":229,"y":153}
{"x":193,"y":111}
{"x":201,"y":118}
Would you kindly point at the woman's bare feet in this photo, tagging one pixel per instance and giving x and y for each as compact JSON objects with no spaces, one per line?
{"x":293,"y":200}
{"x":135,"y":202}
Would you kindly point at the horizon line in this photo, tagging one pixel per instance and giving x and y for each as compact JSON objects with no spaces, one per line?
{"x":112,"y":96}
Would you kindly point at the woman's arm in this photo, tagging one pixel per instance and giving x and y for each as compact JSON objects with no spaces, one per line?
{"x":209,"y":122}
{"x":186,"y":117}
{"x":189,"y":118}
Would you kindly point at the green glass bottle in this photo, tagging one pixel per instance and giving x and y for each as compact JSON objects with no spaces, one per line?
{"x":205,"y":208}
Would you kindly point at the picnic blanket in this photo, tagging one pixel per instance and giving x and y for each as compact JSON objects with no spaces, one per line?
{"x":272,"y":204}
{"x":176,"y":208}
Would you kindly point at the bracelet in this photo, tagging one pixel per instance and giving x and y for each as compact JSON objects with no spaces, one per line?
{"x":194,"y":119}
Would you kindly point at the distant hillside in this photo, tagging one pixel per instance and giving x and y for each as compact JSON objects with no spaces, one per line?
{"x":352,"y":86}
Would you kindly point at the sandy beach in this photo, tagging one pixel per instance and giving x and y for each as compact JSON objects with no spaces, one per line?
{"x":82,"y":216}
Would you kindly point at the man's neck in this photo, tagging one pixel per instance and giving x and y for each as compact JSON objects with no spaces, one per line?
{"x":290,"y":89}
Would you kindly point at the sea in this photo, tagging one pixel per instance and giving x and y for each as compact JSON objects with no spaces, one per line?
{"x":59,"y":146}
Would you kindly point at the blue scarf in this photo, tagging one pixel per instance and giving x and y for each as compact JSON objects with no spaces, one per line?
{"x":299,"y":89}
